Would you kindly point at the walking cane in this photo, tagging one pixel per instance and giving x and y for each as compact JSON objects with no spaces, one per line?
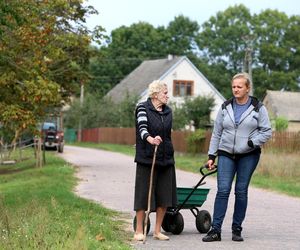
{"x":149,"y":195}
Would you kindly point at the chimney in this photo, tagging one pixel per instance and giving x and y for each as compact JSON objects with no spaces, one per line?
{"x":170,"y":57}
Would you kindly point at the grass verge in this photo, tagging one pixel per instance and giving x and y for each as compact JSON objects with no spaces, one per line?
{"x":38,"y":210}
{"x":279,"y":172}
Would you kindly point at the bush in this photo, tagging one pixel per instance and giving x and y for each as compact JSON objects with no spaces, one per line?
{"x":179,"y":116}
{"x":281,"y":124}
{"x":198,"y":110}
{"x":95,"y":113}
{"x":196,"y":142}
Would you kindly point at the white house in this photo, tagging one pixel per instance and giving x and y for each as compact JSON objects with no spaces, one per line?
{"x":179,"y":73}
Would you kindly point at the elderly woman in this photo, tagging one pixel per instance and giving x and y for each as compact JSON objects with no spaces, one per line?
{"x":153,"y":127}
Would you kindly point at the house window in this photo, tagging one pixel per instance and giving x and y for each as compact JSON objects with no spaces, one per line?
{"x":183,"y":88}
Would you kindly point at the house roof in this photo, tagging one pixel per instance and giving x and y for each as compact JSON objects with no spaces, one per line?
{"x":284,"y":103}
{"x":138,"y":80}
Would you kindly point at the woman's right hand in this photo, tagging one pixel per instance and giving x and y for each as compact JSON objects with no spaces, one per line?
{"x":154,"y":140}
{"x":210,"y":164}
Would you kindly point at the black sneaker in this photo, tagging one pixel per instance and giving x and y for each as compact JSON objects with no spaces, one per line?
{"x":236,"y":236}
{"x":212,"y":235}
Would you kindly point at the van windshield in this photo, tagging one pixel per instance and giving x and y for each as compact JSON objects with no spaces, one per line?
{"x":49,"y":126}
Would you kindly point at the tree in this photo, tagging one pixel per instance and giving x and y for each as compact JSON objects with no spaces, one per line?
{"x":194,"y":111}
{"x":198,"y":110}
{"x":103,"y":112}
{"x":270,"y":37}
{"x":292,"y":38}
{"x":276,"y":50}
{"x":180,"y":119}
{"x":129,"y":46}
{"x":221,"y":38}
{"x":126,"y":110}
{"x":180,"y":36}
{"x":271,"y":51}
{"x":44,"y":49}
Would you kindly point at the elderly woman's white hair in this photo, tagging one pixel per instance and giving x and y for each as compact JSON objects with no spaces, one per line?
{"x":155,"y":87}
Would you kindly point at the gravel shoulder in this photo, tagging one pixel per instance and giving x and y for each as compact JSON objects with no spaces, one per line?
{"x":272,"y":222}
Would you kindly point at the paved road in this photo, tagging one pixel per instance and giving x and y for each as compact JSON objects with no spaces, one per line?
{"x":272,"y":222}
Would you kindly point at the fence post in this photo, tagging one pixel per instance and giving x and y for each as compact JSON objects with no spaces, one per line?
{"x":1,"y":159}
{"x":39,"y":153}
{"x":20,"y":150}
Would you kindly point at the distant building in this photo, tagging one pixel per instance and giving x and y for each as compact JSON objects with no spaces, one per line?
{"x":179,"y":73}
{"x":284,"y":104}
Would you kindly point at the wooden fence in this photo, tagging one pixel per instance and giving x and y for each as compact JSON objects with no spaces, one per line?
{"x":109,"y":135}
{"x":282,"y":141}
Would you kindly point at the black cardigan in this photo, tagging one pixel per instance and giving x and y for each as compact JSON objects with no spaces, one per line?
{"x":159,"y":123}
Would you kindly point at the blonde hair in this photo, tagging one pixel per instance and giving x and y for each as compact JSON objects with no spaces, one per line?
{"x":155,"y":87}
{"x":245,"y":76}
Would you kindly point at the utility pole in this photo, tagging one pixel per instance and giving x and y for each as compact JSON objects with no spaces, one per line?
{"x":79,"y":136}
{"x":247,"y":67}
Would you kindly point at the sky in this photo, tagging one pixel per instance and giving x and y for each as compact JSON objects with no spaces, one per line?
{"x":115,"y":13}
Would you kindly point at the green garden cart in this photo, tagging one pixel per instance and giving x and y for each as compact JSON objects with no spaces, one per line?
{"x":192,"y":199}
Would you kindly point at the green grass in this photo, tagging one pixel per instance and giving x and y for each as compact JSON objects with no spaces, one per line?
{"x":274,"y":171}
{"x":38,"y":210}
{"x":279,"y":171}
{"x":289,"y":186}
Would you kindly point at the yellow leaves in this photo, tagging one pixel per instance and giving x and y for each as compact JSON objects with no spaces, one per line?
{"x":37,"y":98}
{"x":47,"y":59}
{"x":100,"y":237}
{"x":15,"y":117}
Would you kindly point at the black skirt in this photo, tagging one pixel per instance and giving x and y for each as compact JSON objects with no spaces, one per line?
{"x":164,"y":187}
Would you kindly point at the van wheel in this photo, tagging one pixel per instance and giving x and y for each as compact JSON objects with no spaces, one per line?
{"x":60,"y":148}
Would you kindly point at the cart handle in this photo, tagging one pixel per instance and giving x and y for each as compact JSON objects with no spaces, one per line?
{"x":208,"y":173}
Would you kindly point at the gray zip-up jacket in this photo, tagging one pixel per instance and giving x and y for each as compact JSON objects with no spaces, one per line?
{"x":253,"y":130}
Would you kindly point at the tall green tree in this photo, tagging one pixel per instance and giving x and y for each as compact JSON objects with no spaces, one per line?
{"x":44,"y":47}
{"x":269,"y":38}
{"x":180,"y":35}
{"x":275,"y":51}
{"x":129,"y":46}
{"x":223,"y":38}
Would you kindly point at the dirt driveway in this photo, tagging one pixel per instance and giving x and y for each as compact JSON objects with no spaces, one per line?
{"x":272,"y":222}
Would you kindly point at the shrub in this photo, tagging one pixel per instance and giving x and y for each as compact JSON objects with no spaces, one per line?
{"x":196,"y":141}
{"x":281,"y":124}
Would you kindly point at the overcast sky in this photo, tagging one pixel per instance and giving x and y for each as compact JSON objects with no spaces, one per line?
{"x":115,"y":13}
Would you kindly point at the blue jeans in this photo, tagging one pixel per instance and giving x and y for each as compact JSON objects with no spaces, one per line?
{"x":243,"y":168}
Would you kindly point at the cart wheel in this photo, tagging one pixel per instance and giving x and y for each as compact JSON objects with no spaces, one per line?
{"x":203,"y":221}
{"x":166,"y":222}
{"x":148,"y":224}
{"x":177,"y":224}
